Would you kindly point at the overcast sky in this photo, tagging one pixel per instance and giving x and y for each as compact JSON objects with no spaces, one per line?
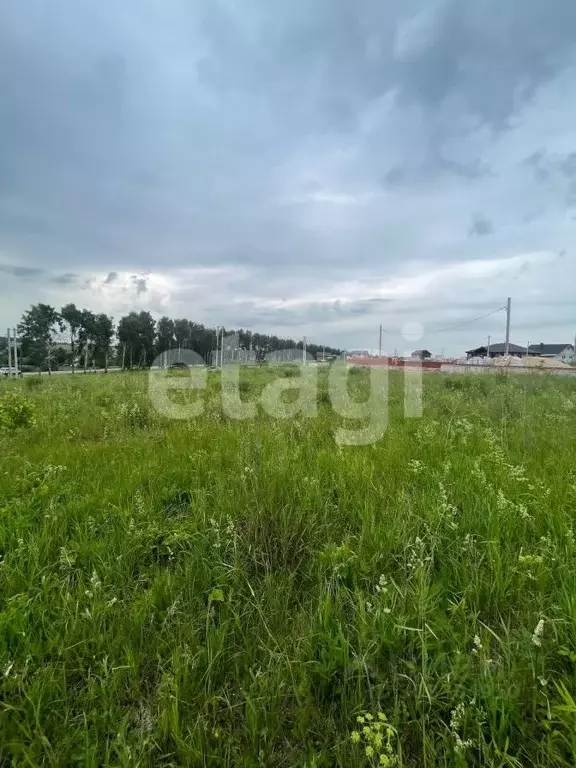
{"x":310,"y":167}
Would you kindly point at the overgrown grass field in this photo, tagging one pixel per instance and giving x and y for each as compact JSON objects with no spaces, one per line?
{"x":248,"y":593}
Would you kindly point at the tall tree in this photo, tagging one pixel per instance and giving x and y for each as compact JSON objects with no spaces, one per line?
{"x":72,"y":316}
{"x":128,"y":338}
{"x":137,"y":334}
{"x":103,"y":335}
{"x":164,"y":335}
{"x":87,"y":335}
{"x":3,"y":351}
{"x":201,"y":339}
{"x":38,"y":330}
{"x":182,"y":332}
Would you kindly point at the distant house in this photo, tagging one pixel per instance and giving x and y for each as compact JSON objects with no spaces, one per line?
{"x":497,"y":350}
{"x":421,"y":354}
{"x":562,"y":352}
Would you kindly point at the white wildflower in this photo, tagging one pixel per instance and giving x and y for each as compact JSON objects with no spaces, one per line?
{"x":537,"y":635}
{"x":457,"y":718}
{"x":517,"y":472}
{"x":381,"y":587}
{"x":95,"y":581}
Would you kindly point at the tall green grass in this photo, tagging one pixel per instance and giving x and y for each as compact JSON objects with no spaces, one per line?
{"x":227,"y":593}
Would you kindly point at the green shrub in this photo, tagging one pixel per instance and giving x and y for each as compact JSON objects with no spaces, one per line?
{"x":16,"y":411}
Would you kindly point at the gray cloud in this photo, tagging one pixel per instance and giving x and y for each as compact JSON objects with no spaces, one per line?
{"x":141,"y":284}
{"x":556,"y":172}
{"x":410,"y":173}
{"x":480,"y":226}
{"x":467,"y":55}
{"x":68,"y":278}
{"x":23,"y":272}
{"x":111,"y":277}
{"x":320,"y":149}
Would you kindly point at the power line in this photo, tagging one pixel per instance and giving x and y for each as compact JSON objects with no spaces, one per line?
{"x":467,"y":322}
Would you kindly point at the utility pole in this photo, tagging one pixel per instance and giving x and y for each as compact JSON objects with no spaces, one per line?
{"x":304,"y":351}
{"x":8,"y":340}
{"x":380,"y":342}
{"x":508,"y":308}
{"x":488,"y":350}
{"x":15,"y":353}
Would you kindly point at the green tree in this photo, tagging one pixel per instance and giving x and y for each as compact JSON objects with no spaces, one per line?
{"x":38,"y":331}
{"x":103,"y":335}
{"x":86,"y":336}
{"x":164,"y":335}
{"x":182,"y":332}
{"x":137,"y":335}
{"x":201,"y":339}
{"x":72,"y":316}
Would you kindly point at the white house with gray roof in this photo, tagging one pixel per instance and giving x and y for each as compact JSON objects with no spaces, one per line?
{"x":562,"y":352}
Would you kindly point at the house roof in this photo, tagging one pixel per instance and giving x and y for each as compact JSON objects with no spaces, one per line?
{"x":499,"y":348}
{"x":421,"y":352}
{"x":548,"y":349}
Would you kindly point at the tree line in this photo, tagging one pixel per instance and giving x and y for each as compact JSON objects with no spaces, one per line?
{"x":49,"y":338}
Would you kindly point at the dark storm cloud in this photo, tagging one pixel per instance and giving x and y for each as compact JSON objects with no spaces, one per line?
{"x":108,"y":118}
{"x":489,"y":56}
